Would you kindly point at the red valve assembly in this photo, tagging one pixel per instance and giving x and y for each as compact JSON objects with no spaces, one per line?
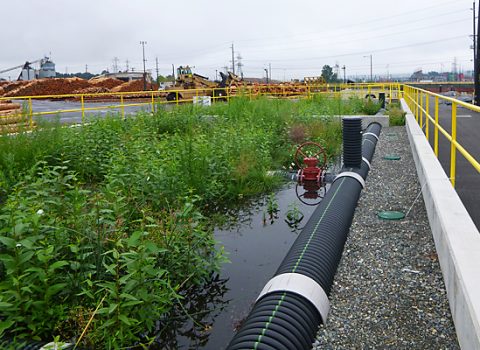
{"x":311,"y":160}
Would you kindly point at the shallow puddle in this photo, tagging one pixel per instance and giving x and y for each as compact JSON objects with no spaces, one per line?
{"x":255,"y":247}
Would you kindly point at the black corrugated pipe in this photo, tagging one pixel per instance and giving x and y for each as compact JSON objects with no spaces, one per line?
{"x":352,"y":142}
{"x":294,"y":302}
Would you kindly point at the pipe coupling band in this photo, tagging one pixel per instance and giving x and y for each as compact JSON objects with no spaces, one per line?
{"x":303,"y":286}
{"x":353,"y":175}
{"x":367,"y":162}
{"x":371,"y":133}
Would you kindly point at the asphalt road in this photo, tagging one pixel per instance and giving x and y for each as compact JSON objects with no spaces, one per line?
{"x":76,"y":117}
{"x":468,"y":135}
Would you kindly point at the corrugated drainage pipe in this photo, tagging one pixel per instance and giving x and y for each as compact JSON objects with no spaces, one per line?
{"x":294,"y":302}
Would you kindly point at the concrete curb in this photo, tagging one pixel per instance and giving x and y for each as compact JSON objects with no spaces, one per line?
{"x":456,"y":237}
{"x":382,"y":119}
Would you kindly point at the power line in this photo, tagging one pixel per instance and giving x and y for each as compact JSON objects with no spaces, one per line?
{"x":389,"y":18}
{"x":367,"y":52}
{"x":309,"y":46}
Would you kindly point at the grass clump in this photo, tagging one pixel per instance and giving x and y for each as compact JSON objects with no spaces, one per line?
{"x":396,"y":114}
{"x":104,"y":225}
{"x":371,"y":107}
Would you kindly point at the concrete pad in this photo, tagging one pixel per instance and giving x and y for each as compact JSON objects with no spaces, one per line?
{"x":457,"y":239}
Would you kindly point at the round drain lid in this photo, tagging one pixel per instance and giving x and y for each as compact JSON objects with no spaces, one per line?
{"x":391,"y":215}
{"x":392,"y":157}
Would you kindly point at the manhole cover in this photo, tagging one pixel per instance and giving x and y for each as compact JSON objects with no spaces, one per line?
{"x":391,"y":215}
{"x":392,"y":157}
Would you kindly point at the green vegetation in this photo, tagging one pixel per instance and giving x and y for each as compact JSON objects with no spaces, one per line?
{"x":103,"y":226}
{"x":396,"y":114}
{"x":371,"y":107}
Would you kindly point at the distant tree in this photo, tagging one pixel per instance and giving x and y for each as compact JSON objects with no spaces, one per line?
{"x":78,"y":75}
{"x":162,"y":79}
{"x":328,"y":75}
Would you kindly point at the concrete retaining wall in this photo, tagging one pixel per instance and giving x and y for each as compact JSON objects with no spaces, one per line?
{"x":457,"y":239}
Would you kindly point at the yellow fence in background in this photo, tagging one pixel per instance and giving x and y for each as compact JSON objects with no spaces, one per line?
{"x":425,"y":106}
{"x":83,"y":103}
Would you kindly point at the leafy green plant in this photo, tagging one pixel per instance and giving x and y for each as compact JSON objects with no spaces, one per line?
{"x":102,"y":227}
{"x":371,"y":107}
{"x":396,"y":114}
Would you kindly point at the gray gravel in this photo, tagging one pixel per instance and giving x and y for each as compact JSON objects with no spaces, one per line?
{"x":389,"y":291}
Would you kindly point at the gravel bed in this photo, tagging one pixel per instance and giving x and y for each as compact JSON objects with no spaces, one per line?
{"x":389,"y":291}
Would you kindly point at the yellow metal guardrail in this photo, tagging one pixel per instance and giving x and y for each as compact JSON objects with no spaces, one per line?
{"x":152,"y":99}
{"x":420,"y":102}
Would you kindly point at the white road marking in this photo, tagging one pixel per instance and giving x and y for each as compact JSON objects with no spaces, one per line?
{"x":464,"y":116}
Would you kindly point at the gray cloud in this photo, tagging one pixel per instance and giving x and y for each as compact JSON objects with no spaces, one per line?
{"x":296,"y":37}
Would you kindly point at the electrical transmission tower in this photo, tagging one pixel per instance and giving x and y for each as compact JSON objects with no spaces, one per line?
{"x":115,"y":64}
{"x":239,"y":65}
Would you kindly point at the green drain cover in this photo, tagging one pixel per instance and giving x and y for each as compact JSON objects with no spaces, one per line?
{"x":392,"y":157}
{"x":391,"y":215}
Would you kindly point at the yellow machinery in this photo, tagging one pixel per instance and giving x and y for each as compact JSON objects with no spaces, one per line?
{"x":200,"y":85}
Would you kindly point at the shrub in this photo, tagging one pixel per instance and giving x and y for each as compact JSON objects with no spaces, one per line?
{"x":371,"y":107}
{"x":396,"y":114}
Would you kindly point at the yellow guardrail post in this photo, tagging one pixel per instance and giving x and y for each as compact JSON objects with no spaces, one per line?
{"x":176,"y":98}
{"x":122,"y":106}
{"x":390,"y":94}
{"x":416,"y":106}
{"x":228,"y":95}
{"x":30,"y":112}
{"x":453,"y":153}
{"x":435,"y":140}
{"x":83,"y":108}
{"x":421,"y":110}
{"x":427,"y":114}
{"x":153,"y":104}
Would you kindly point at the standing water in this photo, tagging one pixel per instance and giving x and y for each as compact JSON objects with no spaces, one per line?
{"x":255,"y":247}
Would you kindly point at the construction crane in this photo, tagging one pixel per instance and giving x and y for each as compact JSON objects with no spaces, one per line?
{"x":26,"y":65}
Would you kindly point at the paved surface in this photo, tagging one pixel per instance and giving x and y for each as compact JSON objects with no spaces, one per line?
{"x":468,"y":135}
{"x":389,"y":291}
{"x":76,"y":117}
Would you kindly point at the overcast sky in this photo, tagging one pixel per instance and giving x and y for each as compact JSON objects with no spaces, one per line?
{"x":296,"y":37}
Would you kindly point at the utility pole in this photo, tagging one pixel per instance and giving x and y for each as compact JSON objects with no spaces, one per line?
{"x":371,"y":66}
{"x":126,"y":65}
{"x":476,"y":56}
{"x":266,"y":72}
{"x":344,"y":74}
{"x":86,"y":68}
{"x":156,"y":66}
{"x":144,"y":70}
{"x":233,"y":59}
{"x":173,"y":73}
{"x":216,"y":74}
{"x":270,"y":71}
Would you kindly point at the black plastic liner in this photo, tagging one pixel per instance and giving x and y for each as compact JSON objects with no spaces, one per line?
{"x":286,"y":320}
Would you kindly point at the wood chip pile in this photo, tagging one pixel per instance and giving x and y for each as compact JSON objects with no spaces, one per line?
{"x":56,"y":86}
{"x":65,"y":86}
{"x":108,"y":83}
{"x":134,"y":85}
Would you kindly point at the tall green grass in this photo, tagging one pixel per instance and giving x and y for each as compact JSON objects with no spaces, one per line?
{"x":111,"y":215}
